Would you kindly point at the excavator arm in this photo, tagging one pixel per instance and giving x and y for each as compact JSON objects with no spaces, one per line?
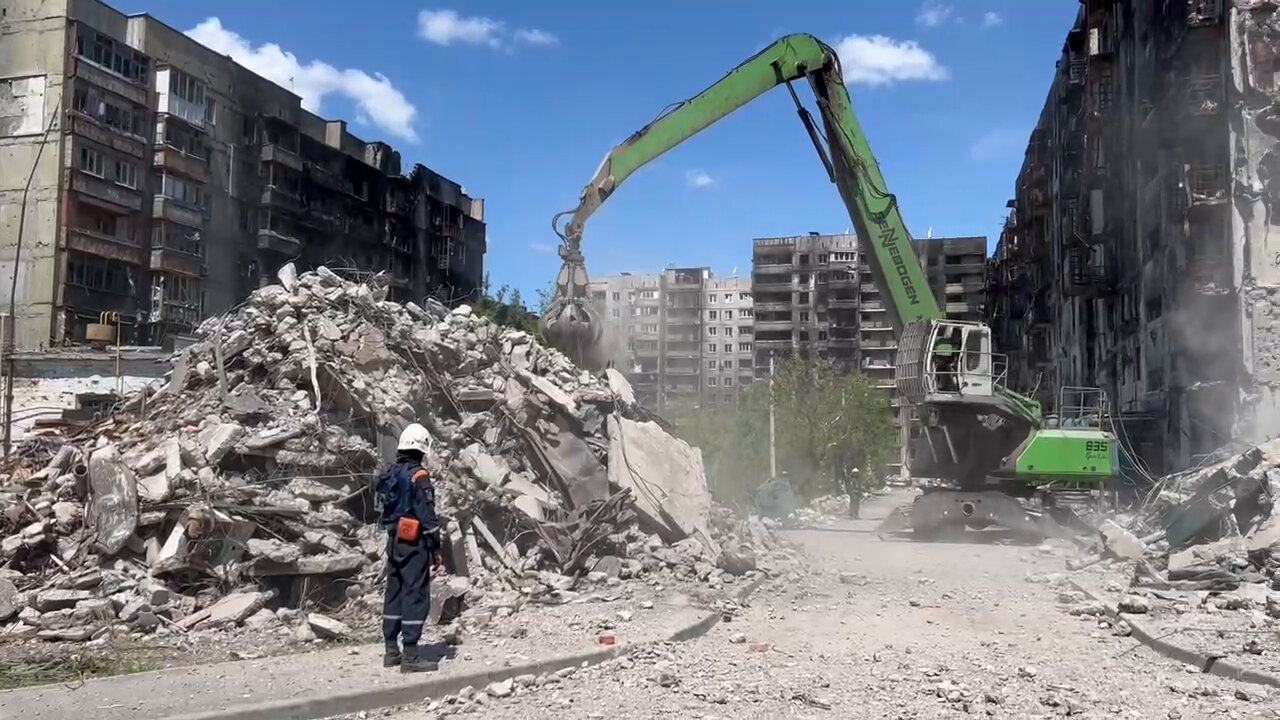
{"x":570,"y":323}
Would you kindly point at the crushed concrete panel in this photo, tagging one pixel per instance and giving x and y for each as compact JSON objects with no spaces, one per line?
{"x":666,"y":477}
{"x":113,"y":504}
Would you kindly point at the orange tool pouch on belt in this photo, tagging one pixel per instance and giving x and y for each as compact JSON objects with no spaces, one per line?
{"x":407,"y":529}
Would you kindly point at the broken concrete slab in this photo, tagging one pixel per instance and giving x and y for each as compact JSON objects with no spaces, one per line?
{"x":620,"y":386}
{"x":50,"y":600}
{"x":573,"y":465}
{"x":326,"y":627}
{"x":487,"y":468}
{"x":666,"y":478}
{"x":531,"y":499}
{"x":10,"y":600}
{"x":232,"y":609}
{"x":549,"y":389}
{"x":113,"y":503}
{"x":274,"y":550}
{"x":314,"y":565}
{"x":220,"y":439}
{"x":1121,"y":542}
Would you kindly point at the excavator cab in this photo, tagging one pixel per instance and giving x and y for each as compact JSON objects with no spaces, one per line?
{"x":948,"y":361}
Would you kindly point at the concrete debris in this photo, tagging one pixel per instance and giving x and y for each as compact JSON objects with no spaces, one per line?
{"x":248,"y":470}
{"x":327,"y":628}
{"x":1121,"y":542}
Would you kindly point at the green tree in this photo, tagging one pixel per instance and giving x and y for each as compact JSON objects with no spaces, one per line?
{"x":506,"y":307}
{"x":828,"y":424}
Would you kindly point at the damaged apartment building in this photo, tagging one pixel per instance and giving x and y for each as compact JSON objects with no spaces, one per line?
{"x":167,"y":182}
{"x":683,"y":337}
{"x":815,"y":296}
{"x":1140,"y":255}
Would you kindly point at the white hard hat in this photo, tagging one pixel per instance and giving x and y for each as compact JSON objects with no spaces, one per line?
{"x":415,"y":437}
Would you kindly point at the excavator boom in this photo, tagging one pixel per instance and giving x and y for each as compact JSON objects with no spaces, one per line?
{"x":572,"y":325}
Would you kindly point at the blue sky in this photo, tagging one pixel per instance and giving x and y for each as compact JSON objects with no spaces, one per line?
{"x":519,"y":101}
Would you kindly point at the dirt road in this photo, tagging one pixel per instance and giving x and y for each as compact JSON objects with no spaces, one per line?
{"x":891,"y":630}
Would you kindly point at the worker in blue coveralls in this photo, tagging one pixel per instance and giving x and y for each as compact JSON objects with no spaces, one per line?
{"x":413,"y":536}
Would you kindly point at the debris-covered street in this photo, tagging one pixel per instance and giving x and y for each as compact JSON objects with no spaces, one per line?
{"x":892,"y":630}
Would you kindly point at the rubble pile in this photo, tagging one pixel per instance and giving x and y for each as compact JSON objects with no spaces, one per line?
{"x":824,"y":510}
{"x":240,"y":487}
{"x":1210,"y":533}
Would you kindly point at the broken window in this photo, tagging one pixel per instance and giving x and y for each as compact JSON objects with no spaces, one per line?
{"x":99,"y":273}
{"x":126,"y":174}
{"x":110,"y":54}
{"x":181,"y":190}
{"x":712,"y":331}
{"x":91,"y":162}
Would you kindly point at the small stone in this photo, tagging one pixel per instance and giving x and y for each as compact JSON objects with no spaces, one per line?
{"x":738,"y":638}
{"x":1134,"y":604}
{"x":1243,"y":695}
{"x":646,"y":604}
{"x":1028,"y":671}
{"x":1090,"y":608}
{"x":624,"y":615}
{"x":501,"y":688}
{"x":914,"y":602}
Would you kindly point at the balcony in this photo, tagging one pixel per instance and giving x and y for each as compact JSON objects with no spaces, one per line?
{"x":108,"y":246}
{"x":167,"y":158}
{"x":169,"y":260}
{"x":282,"y":155}
{"x":772,"y":284}
{"x":100,"y":192}
{"x":842,"y":303}
{"x":274,"y":196}
{"x":872,"y":306}
{"x":277,"y":242}
{"x":169,"y":209}
{"x":682,"y":371}
{"x":767,"y":325}
{"x":137,"y":93}
{"x":87,"y":127}
{"x":772,"y":307}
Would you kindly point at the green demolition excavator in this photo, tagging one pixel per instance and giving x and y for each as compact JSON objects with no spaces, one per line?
{"x":994,"y":457}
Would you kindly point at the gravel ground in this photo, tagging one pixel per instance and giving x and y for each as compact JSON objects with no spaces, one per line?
{"x":892,"y":630}
{"x":1233,"y":625}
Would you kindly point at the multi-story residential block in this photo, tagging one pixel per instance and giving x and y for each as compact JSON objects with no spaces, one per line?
{"x":683,"y":337}
{"x":1139,"y":255}
{"x":815,"y":296}
{"x":167,"y":182}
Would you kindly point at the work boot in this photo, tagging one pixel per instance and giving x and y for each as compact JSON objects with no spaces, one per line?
{"x":415,"y":662}
{"x":391,"y":656}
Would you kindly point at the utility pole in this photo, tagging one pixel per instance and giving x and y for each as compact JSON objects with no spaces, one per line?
{"x":773,"y":448}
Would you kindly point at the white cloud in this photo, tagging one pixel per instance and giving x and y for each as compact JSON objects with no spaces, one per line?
{"x":991,"y":19}
{"x":541,"y":248}
{"x":699,"y":179}
{"x":880,"y":60}
{"x":995,"y":144}
{"x":934,"y":13}
{"x":536,"y":37}
{"x":447,"y":27}
{"x":377,"y":101}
